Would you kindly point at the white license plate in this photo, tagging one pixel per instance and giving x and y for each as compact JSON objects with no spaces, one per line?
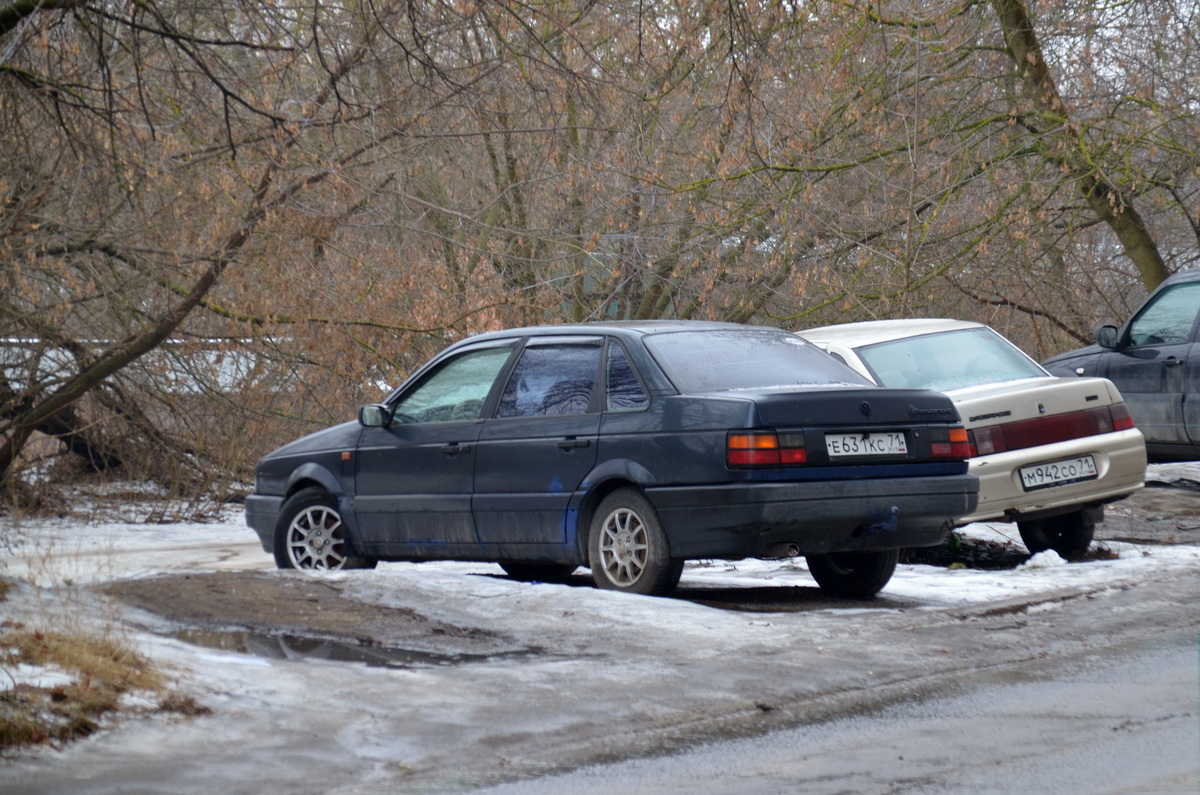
{"x":841,"y":445}
{"x":1056,"y":473}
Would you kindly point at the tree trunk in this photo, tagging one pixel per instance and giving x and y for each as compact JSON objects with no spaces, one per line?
{"x":1060,"y":144}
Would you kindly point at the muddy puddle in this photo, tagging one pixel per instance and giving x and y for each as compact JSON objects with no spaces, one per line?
{"x":299,"y":647}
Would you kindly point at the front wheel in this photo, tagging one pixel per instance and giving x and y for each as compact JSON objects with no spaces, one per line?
{"x":853,"y":575}
{"x":310,"y":535}
{"x":1069,"y":535}
{"x":628,"y":549}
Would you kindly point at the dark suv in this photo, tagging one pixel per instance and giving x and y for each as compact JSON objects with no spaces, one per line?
{"x":1154,"y":360}
{"x":628,"y":448}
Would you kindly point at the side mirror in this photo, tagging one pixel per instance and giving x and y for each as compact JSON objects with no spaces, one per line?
{"x":374,"y":416}
{"x":1106,"y":337}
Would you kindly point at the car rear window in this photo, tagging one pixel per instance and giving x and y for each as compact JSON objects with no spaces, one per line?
{"x":948,"y":360}
{"x":727,"y":359}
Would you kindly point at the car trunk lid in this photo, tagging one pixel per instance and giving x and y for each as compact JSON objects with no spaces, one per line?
{"x":1013,"y":401}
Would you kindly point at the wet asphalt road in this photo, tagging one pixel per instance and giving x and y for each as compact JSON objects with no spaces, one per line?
{"x":1123,"y":720}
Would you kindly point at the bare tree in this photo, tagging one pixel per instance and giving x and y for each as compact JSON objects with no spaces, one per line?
{"x":162,"y":161}
{"x":223,"y":223}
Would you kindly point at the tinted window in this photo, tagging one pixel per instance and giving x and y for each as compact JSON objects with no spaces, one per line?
{"x":710,"y":361}
{"x":551,"y":380}
{"x":949,"y":360}
{"x":624,"y":391}
{"x":1169,"y":319}
{"x":456,"y":390}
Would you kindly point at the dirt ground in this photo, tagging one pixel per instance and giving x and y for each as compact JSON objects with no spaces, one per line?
{"x":272,"y":603}
{"x":1158,"y":514}
{"x":276,"y":603}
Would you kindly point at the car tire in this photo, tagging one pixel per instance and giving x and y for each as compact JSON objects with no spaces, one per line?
{"x":311,"y":535}
{"x":628,"y":549}
{"x":538,"y":572}
{"x":853,"y":575}
{"x":1069,"y":535}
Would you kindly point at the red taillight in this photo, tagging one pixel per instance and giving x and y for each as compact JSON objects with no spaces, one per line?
{"x":752,"y":450}
{"x":765,"y":449}
{"x":960,"y":443}
{"x":950,"y":443}
{"x":1047,"y":430}
{"x":988,"y":440}
{"x":1122,"y":420}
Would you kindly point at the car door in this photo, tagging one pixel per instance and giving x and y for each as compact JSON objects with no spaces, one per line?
{"x":413,"y":476}
{"x":535,"y":452}
{"x":1154,"y":366}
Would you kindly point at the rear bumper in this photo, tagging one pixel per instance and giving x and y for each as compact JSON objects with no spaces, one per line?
{"x":1120,"y":461}
{"x":775,"y":519}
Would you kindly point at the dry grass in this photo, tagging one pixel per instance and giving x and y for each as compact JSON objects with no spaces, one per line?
{"x":1099,"y":551}
{"x":101,"y":671}
{"x":70,"y":669}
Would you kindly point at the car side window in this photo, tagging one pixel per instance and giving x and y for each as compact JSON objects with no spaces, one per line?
{"x":1169,"y":319}
{"x":623,"y":391}
{"x":456,"y":390}
{"x":551,"y":380}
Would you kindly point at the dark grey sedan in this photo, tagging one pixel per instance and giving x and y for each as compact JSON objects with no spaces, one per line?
{"x":628,"y":448}
{"x":1154,"y":359}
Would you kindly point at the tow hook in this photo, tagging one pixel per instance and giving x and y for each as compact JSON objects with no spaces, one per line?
{"x":887,"y":526}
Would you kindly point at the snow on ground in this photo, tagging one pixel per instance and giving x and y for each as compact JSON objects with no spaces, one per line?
{"x":53,"y":552}
{"x":254,"y":698}
{"x":49,"y":552}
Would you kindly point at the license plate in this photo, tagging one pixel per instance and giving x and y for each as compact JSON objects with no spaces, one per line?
{"x":842,"y":445}
{"x":1056,"y":473}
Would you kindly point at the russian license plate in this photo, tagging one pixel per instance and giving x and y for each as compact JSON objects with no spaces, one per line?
{"x":841,"y":445}
{"x":1056,"y":473}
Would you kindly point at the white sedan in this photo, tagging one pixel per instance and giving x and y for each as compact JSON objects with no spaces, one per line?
{"x":1049,"y":451}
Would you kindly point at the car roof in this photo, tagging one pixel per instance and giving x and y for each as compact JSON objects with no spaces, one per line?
{"x":1183,"y":276}
{"x":872,"y":331}
{"x":632,"y":328}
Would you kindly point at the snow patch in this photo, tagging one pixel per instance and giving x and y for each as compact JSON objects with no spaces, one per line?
{"x":1048,"y":559}
{"x":36,"y":676}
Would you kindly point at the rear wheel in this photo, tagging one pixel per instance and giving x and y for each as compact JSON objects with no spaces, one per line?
{"x":628,"y":549}
{"x":539,"y":572}
{"x":1069,"y":535}
{"x":853,"y":575}
{"x":310,"y":534}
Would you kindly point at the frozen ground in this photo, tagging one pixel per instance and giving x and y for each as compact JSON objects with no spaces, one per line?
{"x":567,"y":674}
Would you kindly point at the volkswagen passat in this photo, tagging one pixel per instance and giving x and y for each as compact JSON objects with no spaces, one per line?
{"x":628,"y":448}
{"x":1049,"y":452}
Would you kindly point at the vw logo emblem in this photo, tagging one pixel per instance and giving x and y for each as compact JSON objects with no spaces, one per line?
{"x":865,"y":408}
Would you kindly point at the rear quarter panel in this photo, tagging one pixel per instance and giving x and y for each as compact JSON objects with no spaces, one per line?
{"x":678,"y":440}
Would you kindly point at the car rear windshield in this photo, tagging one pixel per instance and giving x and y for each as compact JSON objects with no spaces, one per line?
{"x":726,"y":359}
{"x":948,"y":360}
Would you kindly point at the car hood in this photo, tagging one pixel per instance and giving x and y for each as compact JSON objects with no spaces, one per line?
{"x":1028,"y":398}
{"x":1078,"y":353}
{"x":343,"y":436}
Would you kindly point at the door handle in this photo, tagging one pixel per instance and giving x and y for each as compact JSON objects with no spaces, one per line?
{"x":1171,"y":361}
{"x":455,"y":448}
{"x":571,"y":444}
